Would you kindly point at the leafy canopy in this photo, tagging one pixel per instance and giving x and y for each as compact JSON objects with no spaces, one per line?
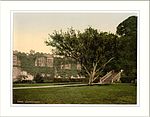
{"x":91,"y":48}
{"x":127,"y":30}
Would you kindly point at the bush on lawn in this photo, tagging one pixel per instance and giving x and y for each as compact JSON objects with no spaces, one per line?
{"x":27,"y":81}
{"x":128,"y":79}
{"x":24,"y":81}
{"x":38,"y":78}
{"x":48,"y":79}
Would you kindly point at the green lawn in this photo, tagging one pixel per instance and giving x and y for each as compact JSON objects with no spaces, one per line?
{"x":104,"y":94}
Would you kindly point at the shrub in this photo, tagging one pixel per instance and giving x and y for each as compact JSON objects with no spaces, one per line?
{"x":27,"y":81}
{"x":128,"y":79}
{"x":38,"y":78}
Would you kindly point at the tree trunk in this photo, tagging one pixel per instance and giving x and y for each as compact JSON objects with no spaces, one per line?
{"x":93,"y":73}
{"x":90,"y":81}
{"x":91,"y":77}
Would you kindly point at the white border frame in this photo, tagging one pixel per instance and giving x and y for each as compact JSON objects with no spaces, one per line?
{"x":141,"y":110}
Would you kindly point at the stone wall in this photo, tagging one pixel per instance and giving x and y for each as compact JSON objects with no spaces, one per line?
{"x":16,"y":73}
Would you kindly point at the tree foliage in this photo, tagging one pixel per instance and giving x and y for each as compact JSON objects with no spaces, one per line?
{"x":91,"y":48}
{"x":127,"y":30}
{"x":128,"y":27}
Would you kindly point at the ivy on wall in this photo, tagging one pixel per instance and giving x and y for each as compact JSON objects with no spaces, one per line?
{"x":28,"y":64}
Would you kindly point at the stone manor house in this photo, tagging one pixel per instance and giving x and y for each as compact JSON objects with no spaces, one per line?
{"x":29,"y":64}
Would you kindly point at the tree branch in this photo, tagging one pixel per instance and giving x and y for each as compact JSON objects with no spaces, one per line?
{"x":86,"y":69}
{"x":95,"y":77}
{"x":103,"y":66}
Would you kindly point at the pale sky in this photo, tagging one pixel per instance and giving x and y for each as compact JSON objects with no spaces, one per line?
{"x":32,"y":29}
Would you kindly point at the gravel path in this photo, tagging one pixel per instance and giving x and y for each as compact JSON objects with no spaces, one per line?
{"x":35,"y":87}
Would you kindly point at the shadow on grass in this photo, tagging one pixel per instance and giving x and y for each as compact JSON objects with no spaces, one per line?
{"x":102,"y":84}
{"x":90,"y":85}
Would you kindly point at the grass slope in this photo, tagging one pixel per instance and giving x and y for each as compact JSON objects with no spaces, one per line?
{"x":105,"y":94}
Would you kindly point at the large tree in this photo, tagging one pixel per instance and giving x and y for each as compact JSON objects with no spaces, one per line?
{"x":91,"y":48}
{"x":127,"y":30}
